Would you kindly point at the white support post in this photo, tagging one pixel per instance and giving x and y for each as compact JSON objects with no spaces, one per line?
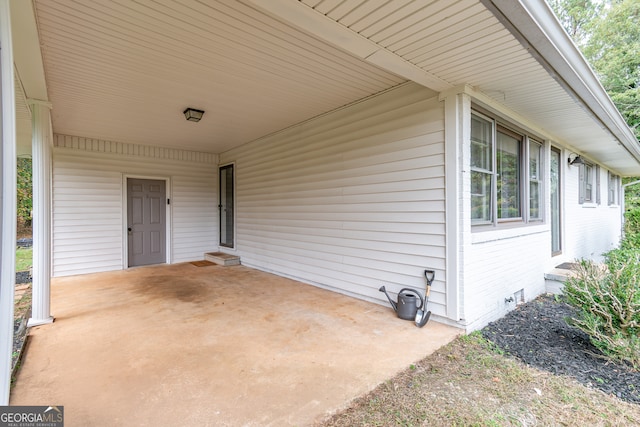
{"x":457,"y":119}
{"x":41,"y":166}
{"x":7,"y":200}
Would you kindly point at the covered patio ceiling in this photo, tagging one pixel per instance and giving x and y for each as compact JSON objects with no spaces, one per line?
{"x":125,"y":71}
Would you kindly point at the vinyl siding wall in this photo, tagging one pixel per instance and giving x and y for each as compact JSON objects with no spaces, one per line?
{"x":88,"y":208}
{"x":349,"y":201}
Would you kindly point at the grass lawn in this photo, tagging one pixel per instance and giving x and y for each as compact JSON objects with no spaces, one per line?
{"x":471,"y":383}
{"x":24,"y":258}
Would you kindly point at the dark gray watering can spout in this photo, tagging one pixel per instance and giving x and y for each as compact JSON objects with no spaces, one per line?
{"x":393,"y":304}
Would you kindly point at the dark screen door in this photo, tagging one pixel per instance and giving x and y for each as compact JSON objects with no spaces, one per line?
{"x":226,"y":207}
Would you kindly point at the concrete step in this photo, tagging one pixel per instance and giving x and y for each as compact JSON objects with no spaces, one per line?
{"x":221,"y":258}
{"x":554,"y":279}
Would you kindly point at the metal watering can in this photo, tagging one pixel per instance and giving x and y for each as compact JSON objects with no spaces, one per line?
{"x":410,"y":303}
{"x":407,"y":306}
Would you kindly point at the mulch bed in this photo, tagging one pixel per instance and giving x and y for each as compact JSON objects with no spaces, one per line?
{"x":538,"y":334}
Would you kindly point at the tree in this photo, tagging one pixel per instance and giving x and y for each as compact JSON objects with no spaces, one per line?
{"x":25,"y":193}
{"x":577,"y":17}
{"x":608,"y":34}
{"x":614,"y":52}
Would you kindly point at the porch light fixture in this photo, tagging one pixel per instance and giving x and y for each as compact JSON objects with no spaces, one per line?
{"x":193,"y":115}
{"x":576,"y":160}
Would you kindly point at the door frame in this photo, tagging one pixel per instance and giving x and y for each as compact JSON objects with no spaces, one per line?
{"x":235,"y":211}
{"x":168,"y":218}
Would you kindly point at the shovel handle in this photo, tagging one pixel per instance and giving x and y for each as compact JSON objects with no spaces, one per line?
{"x":429,"y":275}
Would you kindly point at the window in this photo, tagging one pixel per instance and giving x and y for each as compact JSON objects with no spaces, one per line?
{"x":509,"y":159}
{"x":481,"y":170}
{"x":598,"y":184}
{"x":588,"y":193}
{"x":535,"y":180}
{"x":614,"y":185}
{"x":506,"y":174}
{"x":588,"y":183}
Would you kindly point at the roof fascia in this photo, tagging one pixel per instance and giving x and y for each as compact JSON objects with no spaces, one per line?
{"x":536,"y":27}
{"x":26,"y":50}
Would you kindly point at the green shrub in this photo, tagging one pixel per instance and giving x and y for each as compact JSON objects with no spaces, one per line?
{"x":631,"y":229}
{"x":607,"y":298}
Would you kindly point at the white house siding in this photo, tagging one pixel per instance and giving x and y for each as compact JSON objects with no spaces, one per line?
{"x":590,"y":229}
{"x":88,"y":206}
{"x":349,"y":201}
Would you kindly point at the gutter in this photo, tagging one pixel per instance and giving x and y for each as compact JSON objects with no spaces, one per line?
{"x":534,"y":24}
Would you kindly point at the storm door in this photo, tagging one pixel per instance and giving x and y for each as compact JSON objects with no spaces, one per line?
{"x":146,"y":221}
{"x":226,"y":207}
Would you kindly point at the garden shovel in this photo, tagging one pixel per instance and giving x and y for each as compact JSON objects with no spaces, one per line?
{"x":422,"y":316}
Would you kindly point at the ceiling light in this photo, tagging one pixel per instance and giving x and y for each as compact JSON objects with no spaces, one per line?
{"x":193,"y":115}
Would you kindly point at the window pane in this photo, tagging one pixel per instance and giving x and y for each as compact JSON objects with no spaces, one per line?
{"x":480,"y":197}
{"x":534,"y":200}
{"x":613,"y":189}
{"x":611,"y":193}
{"x":481,"y":149}
{"x":588,"y":182}
{"x":508,"y":169}
{"x":535,"y":152}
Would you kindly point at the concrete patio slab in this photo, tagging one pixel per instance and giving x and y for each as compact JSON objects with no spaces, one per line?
{"x":224,"y":346}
